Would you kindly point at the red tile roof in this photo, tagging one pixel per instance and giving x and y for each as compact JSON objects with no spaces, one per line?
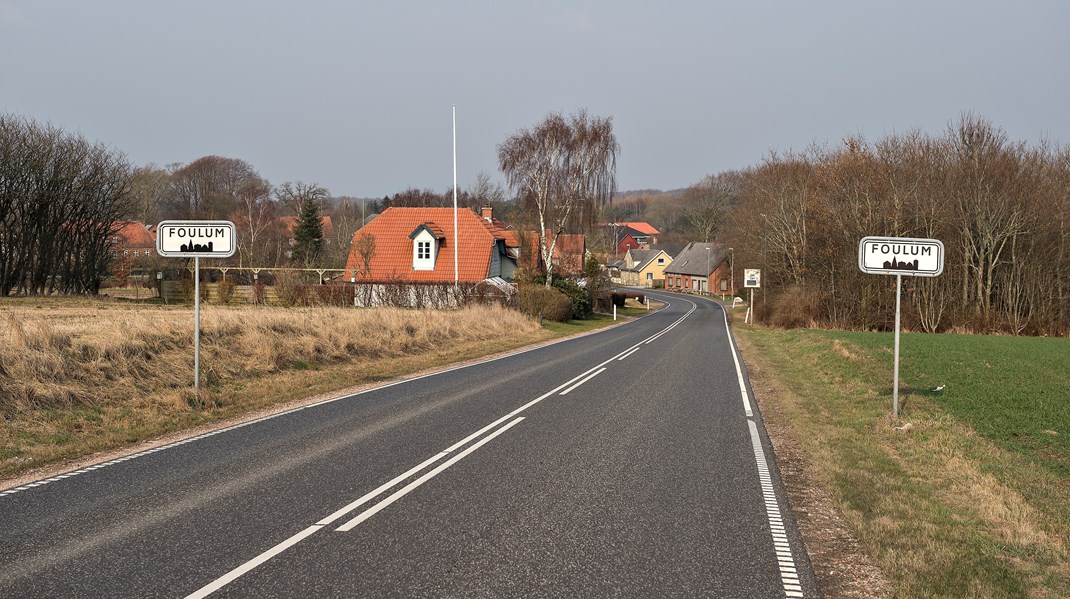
{"x":568,"y":252}
{"x":134,"y":234}
{"x":642,"y":227}
{"x":392,"y":260}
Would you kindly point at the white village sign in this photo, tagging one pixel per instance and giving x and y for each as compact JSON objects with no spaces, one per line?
{"x":196,"y":239}
{"x":902,"y":257}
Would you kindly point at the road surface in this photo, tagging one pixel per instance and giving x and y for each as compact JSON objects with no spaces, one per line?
{"x":631,"y":462}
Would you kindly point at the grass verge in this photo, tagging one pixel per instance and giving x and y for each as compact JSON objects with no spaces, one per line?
{"x":79,"y":376}
{"x":967,"y":495}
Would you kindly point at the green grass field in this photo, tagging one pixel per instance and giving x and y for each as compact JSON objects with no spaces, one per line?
{"x":972,"y":497}
{"x":1014,"y":391}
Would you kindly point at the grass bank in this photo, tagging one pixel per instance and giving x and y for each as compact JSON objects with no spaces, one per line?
{"x":968,"y":494}
{"x":79,"y":376}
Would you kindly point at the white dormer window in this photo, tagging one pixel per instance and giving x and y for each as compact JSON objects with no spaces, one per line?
{"x":425,"y":243}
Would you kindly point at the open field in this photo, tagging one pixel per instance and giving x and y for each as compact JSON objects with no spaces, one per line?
{"x":79,"y":375}
{"x":968,"y":494}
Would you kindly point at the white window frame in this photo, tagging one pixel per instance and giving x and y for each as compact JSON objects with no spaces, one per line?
{"x":424,"y":241}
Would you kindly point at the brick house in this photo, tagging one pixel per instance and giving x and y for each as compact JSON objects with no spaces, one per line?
{"x":700,"y":268}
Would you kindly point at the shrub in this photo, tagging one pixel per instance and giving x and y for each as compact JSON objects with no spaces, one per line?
{"x":188,"y":287}
{"x":581,"y":301}
{"x":538,"y":300}
{"x":793,"y":308}
{"x":225,"y":289}
{"x":335,"y":294}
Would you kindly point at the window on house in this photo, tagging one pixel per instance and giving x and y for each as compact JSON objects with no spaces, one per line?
{"x":724,"y":285}
{"x":661,"y":261}
{"x":423,"y":250}
{"x":650,"y":276}
{"x":126,"y":252}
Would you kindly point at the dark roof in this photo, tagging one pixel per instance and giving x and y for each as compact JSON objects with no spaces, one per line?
{"x":695,"y":261}
{"x":642,"y":258}
{"x":672,"y":249}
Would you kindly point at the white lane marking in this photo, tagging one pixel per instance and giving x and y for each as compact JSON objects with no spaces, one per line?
{"x":585,"y":379}
{"x":630,"y":352}
{"x":234,"y":574}
{"x":739,"y":371}
{"x":380,"y":490}
{"x":416,"y":483}
{"x":243,"y":569}
{"x":263,"y":557}
{"x":788,"y":577}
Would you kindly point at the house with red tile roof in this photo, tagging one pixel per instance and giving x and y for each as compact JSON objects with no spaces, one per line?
{"x":416,"y":245}
{"x":132,"y":247}
{"x":570,"y":252}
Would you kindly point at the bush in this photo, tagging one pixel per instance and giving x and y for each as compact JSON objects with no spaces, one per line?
{"x":225,"y":289}
{"x":581,"y":300}
{"x":335,"y":294}
{"x":188,"y":287}
{"x":793,"y":308}
{"x":539,"y":301}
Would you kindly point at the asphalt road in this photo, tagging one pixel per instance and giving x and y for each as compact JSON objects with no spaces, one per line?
{"x":622,"y":463}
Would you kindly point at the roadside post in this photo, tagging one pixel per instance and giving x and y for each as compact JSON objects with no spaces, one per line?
{"x":752,"y":279}
{"x":196,"y":239}
{"x":902,"y":257}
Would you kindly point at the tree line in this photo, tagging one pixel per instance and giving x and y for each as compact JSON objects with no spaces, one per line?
{"x":1000,"y":207}
{"x":62,"y":199}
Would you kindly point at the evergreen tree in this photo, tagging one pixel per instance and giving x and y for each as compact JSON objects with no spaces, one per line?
{"x":308,"y":234}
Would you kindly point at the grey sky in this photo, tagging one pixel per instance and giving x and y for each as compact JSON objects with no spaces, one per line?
{"x":356,"y":95}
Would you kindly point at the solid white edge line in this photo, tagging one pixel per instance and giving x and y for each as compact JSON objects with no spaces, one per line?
{"x":739,"y":371}
{"x":234,"y":574}
{"x":426,"y":477}
{"x":589,"y":377}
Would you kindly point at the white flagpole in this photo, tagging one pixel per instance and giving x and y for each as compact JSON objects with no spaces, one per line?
{"x":456,"y":267}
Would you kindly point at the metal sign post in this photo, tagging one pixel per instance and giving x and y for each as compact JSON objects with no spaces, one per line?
{"x":197,"y":323}
{"x":196,"y":239}
{"x":900,"y":256}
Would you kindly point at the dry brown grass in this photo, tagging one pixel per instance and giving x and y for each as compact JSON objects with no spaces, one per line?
{"x":77,"y":377}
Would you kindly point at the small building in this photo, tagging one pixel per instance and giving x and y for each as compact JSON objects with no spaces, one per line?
{"x":701,"y":268}
{"x":644,"y":268}
{"x":410,"y":251}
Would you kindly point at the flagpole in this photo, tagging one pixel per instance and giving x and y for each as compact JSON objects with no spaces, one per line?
{"x":456,"y":267}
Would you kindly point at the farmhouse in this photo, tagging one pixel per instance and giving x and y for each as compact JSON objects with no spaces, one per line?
{"x":700,"y":268}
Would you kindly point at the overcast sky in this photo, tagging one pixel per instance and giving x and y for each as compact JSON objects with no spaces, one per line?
{"x":356,"y":96}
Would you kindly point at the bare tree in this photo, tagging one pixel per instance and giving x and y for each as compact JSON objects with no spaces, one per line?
{"x":206,"y":188}
{"x":254,"y":218}
{"x":706,"y":202}
{"x":562,"y":169}
{"x":293,"y":195}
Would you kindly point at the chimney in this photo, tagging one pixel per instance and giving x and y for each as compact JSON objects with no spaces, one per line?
{"x":486,"y":212}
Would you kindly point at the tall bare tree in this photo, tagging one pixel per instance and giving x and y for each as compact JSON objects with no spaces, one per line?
{"x":706,"y":202}
{"x":563,"y":170}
